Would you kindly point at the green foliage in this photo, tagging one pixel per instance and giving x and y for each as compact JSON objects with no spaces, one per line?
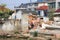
{"x":30,"y":39}
{"x":50,"y":14}
{"x":5,"y":12}
{"x":35,"y":34}
{"x":16,"y":32}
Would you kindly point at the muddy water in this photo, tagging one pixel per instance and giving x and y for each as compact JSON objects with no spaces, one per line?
{"x":12,"y":39}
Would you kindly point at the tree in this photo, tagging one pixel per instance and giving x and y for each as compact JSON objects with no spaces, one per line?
{"x":4,"y":12}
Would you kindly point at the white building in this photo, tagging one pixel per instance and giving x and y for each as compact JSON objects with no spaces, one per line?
{"x":53,"y":4}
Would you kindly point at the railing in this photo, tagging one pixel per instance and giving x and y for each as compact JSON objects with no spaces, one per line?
{"x":32,"y":6}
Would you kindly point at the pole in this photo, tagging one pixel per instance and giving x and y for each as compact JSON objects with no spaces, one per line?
{"x":15,"y":17}
{"x":56,"y":4}
{"x":30,"y":1}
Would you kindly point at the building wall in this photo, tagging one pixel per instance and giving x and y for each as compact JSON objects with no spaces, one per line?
{"x":46,"y":0}
{"x":57,"y":4}
{"x":53,"y":4}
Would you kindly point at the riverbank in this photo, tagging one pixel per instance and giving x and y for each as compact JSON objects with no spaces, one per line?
{"x":43,"y":35}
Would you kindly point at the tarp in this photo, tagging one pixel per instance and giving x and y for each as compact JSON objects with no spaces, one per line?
{"x":8,"y":27}
{"x":42,"y":8}
{"x":17,"y":15}
{"x":58,"y":10}
{"x":13,"y":15}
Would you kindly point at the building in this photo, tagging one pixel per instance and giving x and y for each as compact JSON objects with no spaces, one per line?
{"x":28,"y":6}
{"x":53,"y":4}
{"x":32,"y":7}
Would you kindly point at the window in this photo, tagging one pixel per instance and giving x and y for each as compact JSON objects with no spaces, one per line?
{"x":59,"y":4}
{"x":36,"y":4}
{"x":52,"y":5}
{"x":29,"y":9}
{"x":32,"y":9}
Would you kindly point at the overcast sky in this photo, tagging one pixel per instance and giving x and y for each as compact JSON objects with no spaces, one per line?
{"x":11,"y":3}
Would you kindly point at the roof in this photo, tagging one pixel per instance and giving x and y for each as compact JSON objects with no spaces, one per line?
{"x":58,"y":10}
{"x":25,"y":5}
